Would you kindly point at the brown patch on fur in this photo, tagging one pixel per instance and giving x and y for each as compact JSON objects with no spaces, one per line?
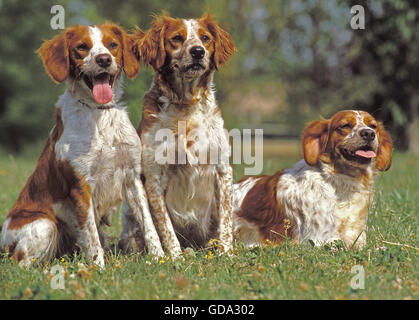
{"x":385,"y":149}
{"x":150,"y":111}
{"x":18,"y":255}
{"x":80,"y":194}
{"x":51,"y":182}
{"x":25,"y":216}
{"x":217,"y":111}
{"x":314,"y":139}
{"x":54,"y":54}
{"x":260,"y":207}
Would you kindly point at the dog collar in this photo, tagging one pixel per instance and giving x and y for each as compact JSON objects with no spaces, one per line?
{"x":100,"y":108}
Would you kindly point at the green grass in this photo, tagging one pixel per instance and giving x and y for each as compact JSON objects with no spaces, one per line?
{"x":287,"y":271}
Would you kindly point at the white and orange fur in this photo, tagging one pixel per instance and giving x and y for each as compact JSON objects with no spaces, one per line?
{"x":325,"y":196}
{"x":92,"y":158}
{"x":190,"y":203}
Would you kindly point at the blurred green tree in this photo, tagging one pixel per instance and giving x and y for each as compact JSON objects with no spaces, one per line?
{"x":27,"y":95}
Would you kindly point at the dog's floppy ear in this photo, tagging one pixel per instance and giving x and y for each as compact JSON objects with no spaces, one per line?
{"x":136,"y":39}
{"x":55,"y":57}
{"x":385,"y":149}
{"x":149,"y":47}
{"x":130,"y":63}
{"x":314,"y":138}
{"x":224,"y":46}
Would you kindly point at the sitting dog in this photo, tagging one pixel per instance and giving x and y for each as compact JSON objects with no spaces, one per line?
{"x":324,"y":197}
{"x":190,"y":197}
{"x":92,"y":158}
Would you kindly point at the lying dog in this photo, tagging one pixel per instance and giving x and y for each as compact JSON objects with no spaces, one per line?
{"x":190,"y":200}
{"x":92,"y":158}
{"x":324,"y":197}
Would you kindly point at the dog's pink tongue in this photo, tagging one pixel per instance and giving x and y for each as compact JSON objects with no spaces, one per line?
{"x":365,"y":154}
{"x":102,"y":91}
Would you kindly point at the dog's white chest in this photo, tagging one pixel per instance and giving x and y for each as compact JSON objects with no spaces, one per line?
{"x":190,"y":196}
{"x":326,"y":211}
{"x":351,"y":217}
{"x":199,"y":143}
{"x":195,"y":136}
{"x":304,"y":188}
{"x":102,"y":147}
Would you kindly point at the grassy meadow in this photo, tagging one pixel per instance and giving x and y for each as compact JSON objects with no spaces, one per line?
{"x":286,"y":271}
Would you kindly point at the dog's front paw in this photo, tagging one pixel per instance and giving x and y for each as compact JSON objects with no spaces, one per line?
{"x":176,"y":253}
{"x":98,"y":259}
{"x":100,"y":262}
{"x":156,"y":251}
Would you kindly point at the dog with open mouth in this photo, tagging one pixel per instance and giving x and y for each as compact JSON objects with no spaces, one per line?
{"x":324,"y":197}
{"x":92,"y":158}
{"x":190,"y":201}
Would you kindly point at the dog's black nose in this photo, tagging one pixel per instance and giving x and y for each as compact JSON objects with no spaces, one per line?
{"x":103,"y":60}
{"x":197,"y":52}
{"x":367,"y":134}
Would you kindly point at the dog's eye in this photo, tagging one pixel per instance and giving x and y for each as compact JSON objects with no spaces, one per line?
{"x":177,"y":38}
{"x":83,"y":47}
{"x":205,"y":38}
{"x":113,"y":45}
{"x":346,"y":126}
{"x":373,"y":126}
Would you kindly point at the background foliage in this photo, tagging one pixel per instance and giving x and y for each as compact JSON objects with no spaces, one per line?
{"x":297,"y":60}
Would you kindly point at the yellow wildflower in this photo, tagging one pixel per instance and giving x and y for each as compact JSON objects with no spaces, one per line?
{"x":210,"y":255}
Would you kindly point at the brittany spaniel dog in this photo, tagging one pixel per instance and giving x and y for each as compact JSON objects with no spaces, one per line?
{"x":324,"y":197}
{"x":190,"y":190}
{"x":92,"y":158}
